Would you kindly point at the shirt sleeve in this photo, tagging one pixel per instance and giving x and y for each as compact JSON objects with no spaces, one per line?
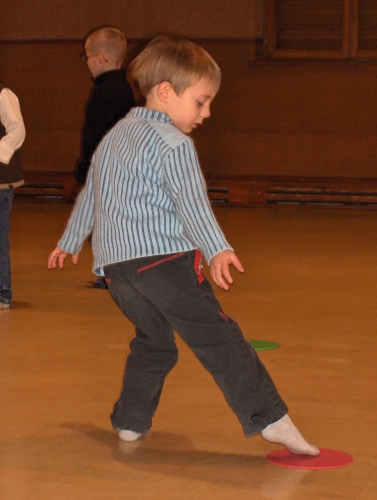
{"x":189,"y":191}
{"x":11,"y":119}
{"x":81,"y":221}
{"x":93,"y":130}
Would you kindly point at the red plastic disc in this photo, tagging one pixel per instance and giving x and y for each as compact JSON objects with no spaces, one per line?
{"x":327,"y":459}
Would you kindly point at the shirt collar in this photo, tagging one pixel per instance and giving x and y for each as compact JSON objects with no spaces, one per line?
{"x":150,"y":114}
{"x":107,"y":75}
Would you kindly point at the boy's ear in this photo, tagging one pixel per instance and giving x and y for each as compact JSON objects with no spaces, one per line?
{"x":102,"y":59}
{"x":163,"y":91}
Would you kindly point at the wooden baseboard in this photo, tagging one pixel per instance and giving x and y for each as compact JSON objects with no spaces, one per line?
{"x":46,"y":186}
{"x":248,"y":191}
{"x":233,"y":191}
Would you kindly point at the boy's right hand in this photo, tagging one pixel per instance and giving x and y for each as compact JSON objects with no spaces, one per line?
{"x":59,"y":255}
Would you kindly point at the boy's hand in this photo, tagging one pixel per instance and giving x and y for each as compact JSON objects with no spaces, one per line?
{"x":59,"y":255}
{"x":219,"y":268}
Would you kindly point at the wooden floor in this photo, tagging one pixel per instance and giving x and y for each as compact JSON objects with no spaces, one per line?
{"x":310,"y":285}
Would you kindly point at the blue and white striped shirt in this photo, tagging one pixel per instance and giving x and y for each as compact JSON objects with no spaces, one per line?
{"x":145,"y":195}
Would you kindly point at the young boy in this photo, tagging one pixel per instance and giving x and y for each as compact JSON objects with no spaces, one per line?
{"x":110,"y":99}
{"x":111,"y":96}
{"x":146,"y":201}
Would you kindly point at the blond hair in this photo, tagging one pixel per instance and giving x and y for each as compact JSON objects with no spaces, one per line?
{"x":176,"y":60}
{"x":109,"y":41}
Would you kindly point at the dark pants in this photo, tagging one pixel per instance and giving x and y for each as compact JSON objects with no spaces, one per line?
{"x":161,"y":294}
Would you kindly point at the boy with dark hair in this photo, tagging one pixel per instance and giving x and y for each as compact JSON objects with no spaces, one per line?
{"x":146,"y":201}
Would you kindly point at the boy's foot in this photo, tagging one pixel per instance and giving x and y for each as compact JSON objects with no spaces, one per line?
{"x":100,"y":283}
{"x":4,"y":306}
{"x":286,"y":433}
{"x":129,"y":435}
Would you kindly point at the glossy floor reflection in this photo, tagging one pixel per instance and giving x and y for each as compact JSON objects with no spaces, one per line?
{"x":310,"y":285}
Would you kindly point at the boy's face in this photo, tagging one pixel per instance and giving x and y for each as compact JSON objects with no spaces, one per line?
{"x":94,"y":63}
{"x":188,"y":110}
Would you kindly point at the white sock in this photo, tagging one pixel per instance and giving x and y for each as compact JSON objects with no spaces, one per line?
{"x":286,"y":433}
{"x":128,"y":435}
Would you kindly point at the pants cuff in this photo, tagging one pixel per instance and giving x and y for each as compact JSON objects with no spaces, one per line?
{"x":258,"y":423}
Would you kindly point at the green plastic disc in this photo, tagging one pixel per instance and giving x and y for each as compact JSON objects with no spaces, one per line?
{"x":263,"y":345}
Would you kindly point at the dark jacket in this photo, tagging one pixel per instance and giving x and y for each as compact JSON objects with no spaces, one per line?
{"x":110,"y":100}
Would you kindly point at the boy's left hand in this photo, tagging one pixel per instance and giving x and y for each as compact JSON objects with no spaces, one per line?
{"x":219,"y":268}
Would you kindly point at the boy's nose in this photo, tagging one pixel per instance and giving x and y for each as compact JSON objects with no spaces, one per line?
{"x":206,"y":112}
